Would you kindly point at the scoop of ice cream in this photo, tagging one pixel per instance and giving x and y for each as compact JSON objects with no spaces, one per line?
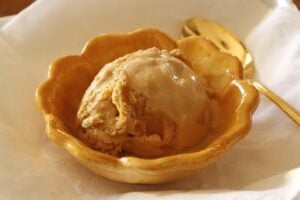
{"x":147,"y":103}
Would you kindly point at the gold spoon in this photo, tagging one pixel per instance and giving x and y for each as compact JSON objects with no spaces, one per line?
{"x":229,"y":43}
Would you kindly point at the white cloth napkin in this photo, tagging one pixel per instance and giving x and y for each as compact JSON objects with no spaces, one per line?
{"x":264,"y":165}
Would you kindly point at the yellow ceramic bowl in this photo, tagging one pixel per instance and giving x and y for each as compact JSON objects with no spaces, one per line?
{"x":60,"y":95}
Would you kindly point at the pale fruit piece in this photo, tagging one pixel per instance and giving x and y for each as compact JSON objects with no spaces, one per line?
{"x":219,"y":68}
{"x":224,"y":39}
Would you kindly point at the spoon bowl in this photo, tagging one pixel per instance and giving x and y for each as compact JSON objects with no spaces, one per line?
{"x":228,"y":42}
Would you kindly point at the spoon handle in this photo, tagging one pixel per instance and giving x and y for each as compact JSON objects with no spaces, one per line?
{"x":219,"y":35}
{"x":282,"y":104}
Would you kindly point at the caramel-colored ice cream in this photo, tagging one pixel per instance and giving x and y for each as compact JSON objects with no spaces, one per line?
{"x":147,"y":103}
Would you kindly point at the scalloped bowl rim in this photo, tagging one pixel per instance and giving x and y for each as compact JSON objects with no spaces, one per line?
{"x":79,"y":149}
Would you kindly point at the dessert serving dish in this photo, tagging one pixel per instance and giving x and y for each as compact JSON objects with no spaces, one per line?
{"x":232,"y":101}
